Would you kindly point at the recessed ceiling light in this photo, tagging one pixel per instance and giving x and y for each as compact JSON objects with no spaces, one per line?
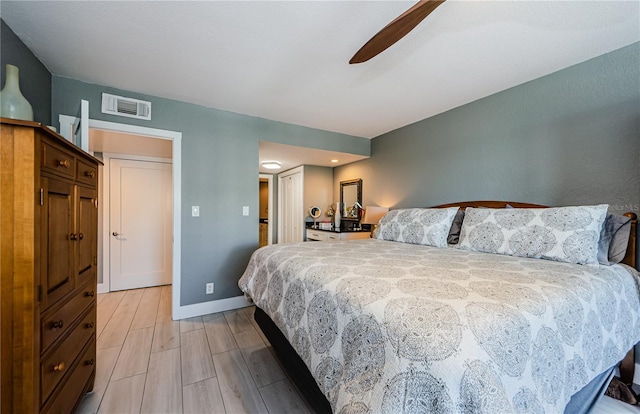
{"x":272,"y":165}
{"x":334,"y":161}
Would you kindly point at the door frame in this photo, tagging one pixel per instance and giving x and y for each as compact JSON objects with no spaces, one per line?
{"x":103,"y":211}
{"x":269,"y":179}
{"x":177,"y":311}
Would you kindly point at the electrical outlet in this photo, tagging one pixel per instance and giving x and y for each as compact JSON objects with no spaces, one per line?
{"x":195,"y":211}
{"x":245,"y":210}
{"x":209,"y":288}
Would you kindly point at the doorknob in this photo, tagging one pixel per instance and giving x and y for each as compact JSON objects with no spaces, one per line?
{"x":115,"y":233}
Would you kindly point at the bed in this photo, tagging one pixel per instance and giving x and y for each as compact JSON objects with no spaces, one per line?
{"x":387,"y":326}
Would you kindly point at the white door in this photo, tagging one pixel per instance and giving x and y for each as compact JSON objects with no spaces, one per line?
{"x":140,"y":218}
{"x":290,"y":210}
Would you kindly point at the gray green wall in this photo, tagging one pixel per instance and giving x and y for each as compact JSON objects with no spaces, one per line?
{"x":35,"y":79}
{"x":572,"y":137}
{"x":219,"y":174}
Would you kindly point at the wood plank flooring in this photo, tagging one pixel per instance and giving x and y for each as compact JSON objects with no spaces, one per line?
{"x":218,"y":363}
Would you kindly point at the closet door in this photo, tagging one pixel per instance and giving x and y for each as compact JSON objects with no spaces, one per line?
{"x":284,"y":209}
{"x":297,"y":219}
{"x":290,"y":211}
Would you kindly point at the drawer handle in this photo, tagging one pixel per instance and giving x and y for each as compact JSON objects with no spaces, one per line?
{"x":89,"y":174}
{"x":90,"y":294}
{"x":64,"y":163}
{"x":57,"y":324}
{"x":80,"y":236}
{"x":73,"y":237}
{"x":90,"y":325}
{"x":90,"y":362}
{"x":59,"y":367}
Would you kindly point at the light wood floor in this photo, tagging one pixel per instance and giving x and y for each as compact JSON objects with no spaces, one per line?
{"x":218,"y":363}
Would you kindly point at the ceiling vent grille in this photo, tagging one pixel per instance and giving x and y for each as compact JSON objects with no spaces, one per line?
{"x":129,"y":107}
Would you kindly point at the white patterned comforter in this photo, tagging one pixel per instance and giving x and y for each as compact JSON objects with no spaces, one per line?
{"x":392,"y":327}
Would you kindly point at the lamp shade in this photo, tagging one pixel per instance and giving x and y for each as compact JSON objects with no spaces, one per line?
{"x":373,"y":214}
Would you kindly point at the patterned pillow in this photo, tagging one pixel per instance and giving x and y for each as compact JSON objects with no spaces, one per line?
{"x":565,"y":234}
{"x":428,"y":226}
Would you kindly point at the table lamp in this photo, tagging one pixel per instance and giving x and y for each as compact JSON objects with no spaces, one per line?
{"x":372,"y":215}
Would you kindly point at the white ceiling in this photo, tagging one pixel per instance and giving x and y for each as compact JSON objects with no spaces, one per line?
{"x":287,"y":61}
{"x":292,"y":156}
{"x":101,"y":140}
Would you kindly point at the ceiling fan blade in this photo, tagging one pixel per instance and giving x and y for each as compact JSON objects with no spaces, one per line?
{"x":395,"y":30}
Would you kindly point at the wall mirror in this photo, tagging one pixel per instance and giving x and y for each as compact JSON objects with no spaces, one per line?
{"x":351,"y":199}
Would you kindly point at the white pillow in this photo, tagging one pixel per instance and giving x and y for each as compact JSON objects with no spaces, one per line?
{"x":566,"y":234}
{"x":428,"y":226}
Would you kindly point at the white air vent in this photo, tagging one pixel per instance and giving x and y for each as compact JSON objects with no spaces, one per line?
{"x":119,"y":105}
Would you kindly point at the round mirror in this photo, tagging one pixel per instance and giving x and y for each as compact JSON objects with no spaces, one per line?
{"x":315,"y":212}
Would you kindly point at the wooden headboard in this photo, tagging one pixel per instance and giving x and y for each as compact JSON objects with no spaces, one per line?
{"x":629,"y":258}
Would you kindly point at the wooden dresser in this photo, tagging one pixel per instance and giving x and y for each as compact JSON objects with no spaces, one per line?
{"x":48,"y":226}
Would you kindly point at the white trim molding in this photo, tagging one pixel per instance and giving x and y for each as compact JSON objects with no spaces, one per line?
{"x":221,"y":305}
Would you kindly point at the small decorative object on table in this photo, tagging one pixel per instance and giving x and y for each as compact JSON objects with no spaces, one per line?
{"x":12,"y":103}
{"x":330,"y":211}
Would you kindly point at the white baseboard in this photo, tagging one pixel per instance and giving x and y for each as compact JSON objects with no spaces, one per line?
{"x":215,"y":306}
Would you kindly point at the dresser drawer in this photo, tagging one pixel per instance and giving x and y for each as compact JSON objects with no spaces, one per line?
{"x":333,"y":237}
{"x":58,"y":161}
{"x":57,"y":364}
{"x":86,"y":173}
{"x":67,"y":398}
{"x":58,"y":322}
{"x":316,"y":235}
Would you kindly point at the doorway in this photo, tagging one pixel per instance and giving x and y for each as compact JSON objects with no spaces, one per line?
{"x":136,"y":210}
{"x":66,"y":129}
{"x":265,"y":215}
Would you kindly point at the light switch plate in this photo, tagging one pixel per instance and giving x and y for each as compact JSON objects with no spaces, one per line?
{"x":245,"y":210}
{"x":195,"y":211}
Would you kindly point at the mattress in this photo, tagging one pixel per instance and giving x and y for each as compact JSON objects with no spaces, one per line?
{"x":393,"y":327}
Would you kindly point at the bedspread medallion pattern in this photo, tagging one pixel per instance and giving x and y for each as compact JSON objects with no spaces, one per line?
{"x":394,"y":327}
